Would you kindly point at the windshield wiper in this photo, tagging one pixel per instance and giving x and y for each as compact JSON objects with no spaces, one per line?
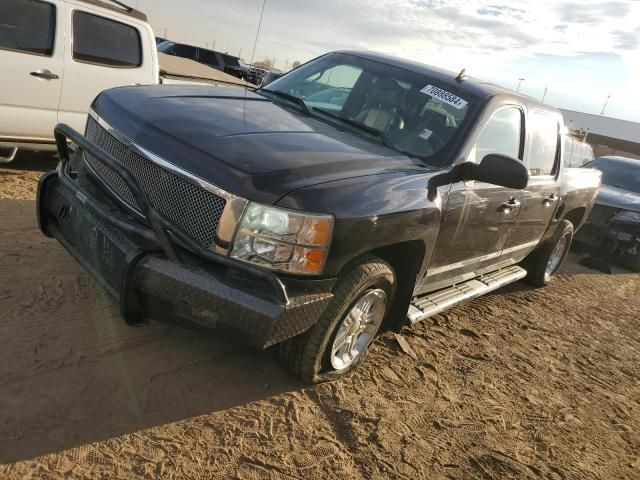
{"x":360,"y":126}
{"x":297,"y":100}
{"x":370,"y":130}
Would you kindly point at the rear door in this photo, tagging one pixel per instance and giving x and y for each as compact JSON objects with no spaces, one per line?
{"x":31,"y":68}
{"x":106,"y":51}
{"x":479,"y":216}
{"x":540,"y":198}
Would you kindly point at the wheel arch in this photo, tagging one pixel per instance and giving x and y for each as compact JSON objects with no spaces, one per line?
{"x":406,"y":259}
{"x":576,"y":216}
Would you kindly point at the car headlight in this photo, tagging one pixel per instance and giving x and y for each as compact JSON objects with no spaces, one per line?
{"x":284,"y":240}
{"x":627,"y":216}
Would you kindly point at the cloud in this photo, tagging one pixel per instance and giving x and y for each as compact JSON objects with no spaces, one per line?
{"x":627,"y":40}
{"x":484,"y":36}
{"x":501,"y":11}
{"x":594,"y":12}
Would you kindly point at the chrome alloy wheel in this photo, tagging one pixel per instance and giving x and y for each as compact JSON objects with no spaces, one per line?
{"x":358,"y":328}
{"x":556,"y":257}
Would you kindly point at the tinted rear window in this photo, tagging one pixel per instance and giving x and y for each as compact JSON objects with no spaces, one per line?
{"x":27,"y":26}
{"x":230,"y":61}
{"x":105,"y":42}
{"x":184,"y":51}
{"x":208,"y":57}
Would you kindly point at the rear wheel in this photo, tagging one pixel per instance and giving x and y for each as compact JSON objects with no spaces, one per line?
{"x":545,"y":262}
{"x":341,"y":338}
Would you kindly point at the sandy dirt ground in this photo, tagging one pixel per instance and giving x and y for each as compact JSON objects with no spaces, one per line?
{"x":521,"y":384}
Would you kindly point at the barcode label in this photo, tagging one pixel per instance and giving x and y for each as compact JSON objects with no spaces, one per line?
{"x":444,"y":96}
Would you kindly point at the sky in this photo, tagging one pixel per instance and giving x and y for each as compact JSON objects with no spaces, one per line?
{"x":580,"y":51}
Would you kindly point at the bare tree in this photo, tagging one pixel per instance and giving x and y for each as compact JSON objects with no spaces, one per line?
{"x":267,"y":63}
{"x":295,"y":64}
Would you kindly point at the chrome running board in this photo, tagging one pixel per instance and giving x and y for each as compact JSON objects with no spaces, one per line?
{"x":432,"y":303}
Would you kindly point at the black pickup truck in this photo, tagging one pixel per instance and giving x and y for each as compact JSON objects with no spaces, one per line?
{"x":356,"y":192}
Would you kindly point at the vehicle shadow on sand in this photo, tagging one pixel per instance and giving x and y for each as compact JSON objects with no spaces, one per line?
{"x":30,"y":161}
{"x":72,"y":372}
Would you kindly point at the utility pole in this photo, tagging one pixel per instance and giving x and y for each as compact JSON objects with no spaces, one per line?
{"x":544,"y":94}
{"x":214,"y":45}
{"x":520,"y":80}
{"x":606,"y":102}
{"x":240,"y":54}
{"x":286,"y":65}
{"x":165,"y":32}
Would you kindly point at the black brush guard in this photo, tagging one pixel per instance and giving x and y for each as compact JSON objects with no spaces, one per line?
{"x":154,"y":270}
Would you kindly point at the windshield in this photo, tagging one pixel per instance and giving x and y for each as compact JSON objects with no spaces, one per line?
{"x":623,"y":175}
{"x":407,"y":111}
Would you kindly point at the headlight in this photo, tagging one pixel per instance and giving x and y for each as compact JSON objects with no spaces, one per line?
{"x":627,"y":216}
{"x":284,"y":240}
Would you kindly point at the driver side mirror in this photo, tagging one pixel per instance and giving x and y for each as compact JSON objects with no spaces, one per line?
{"x":495,"y":169}
{"x":498,"y":170}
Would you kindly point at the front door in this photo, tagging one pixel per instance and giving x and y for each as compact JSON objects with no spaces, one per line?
{"x":31,"y":53}
{"x":479,"y":216}
{"x":104,"y":53}
{"x":540,"y":198}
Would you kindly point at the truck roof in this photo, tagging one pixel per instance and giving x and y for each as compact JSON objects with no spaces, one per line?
{"x":117,"y":6}
{"x":476,"y":87}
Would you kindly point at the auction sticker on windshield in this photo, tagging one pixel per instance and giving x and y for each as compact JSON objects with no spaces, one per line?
{"x":447,"y":97}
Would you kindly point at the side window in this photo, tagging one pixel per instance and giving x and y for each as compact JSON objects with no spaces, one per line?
{"x":105,"y":42}
{"x":27,"y":26}
{"x":502,"y":134}
{"x":185,"y":51}
{"x":543,"y":143}
{"x":208,"y":58}
{"x":576,"y":154}
{"x":568,"y":151}
{"x":587,"y":154}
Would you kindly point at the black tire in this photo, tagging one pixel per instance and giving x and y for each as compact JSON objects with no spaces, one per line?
{"x":536,"y":263}
{"x":307,"y":355}
{"x":635,"y":262}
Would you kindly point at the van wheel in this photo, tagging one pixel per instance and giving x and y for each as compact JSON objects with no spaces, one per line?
{"x":545,"y":262}
{"x":340,"y":339}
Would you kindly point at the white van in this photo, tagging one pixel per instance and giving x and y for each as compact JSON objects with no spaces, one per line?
{"x":56,"y":56}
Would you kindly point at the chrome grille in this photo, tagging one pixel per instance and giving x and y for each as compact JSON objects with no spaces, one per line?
{"x":190,"y":207}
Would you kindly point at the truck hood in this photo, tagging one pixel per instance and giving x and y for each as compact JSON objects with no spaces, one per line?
{"x":241,"y":141}
{"x":618,"y":198}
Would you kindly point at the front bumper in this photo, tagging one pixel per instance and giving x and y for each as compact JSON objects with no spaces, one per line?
{"x":606,"y":231}
{"x":154,"y":271}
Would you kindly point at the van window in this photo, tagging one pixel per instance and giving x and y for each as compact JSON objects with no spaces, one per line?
{"x":543,"y":143}
{"x":27,"y":26}
{"x":184,"y":51}
{"x":502,"y":135}
{"x":209,"y":58}
{"x":105,"y":42}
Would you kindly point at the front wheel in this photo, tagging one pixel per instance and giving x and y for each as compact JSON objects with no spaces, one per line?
{"x":341,"y":338}
{"x":545,"y":262}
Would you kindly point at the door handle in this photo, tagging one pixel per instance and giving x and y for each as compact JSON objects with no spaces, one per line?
{"x":44,"y":74}
{"x":508,"y":207}
{"x":550,"y":200}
